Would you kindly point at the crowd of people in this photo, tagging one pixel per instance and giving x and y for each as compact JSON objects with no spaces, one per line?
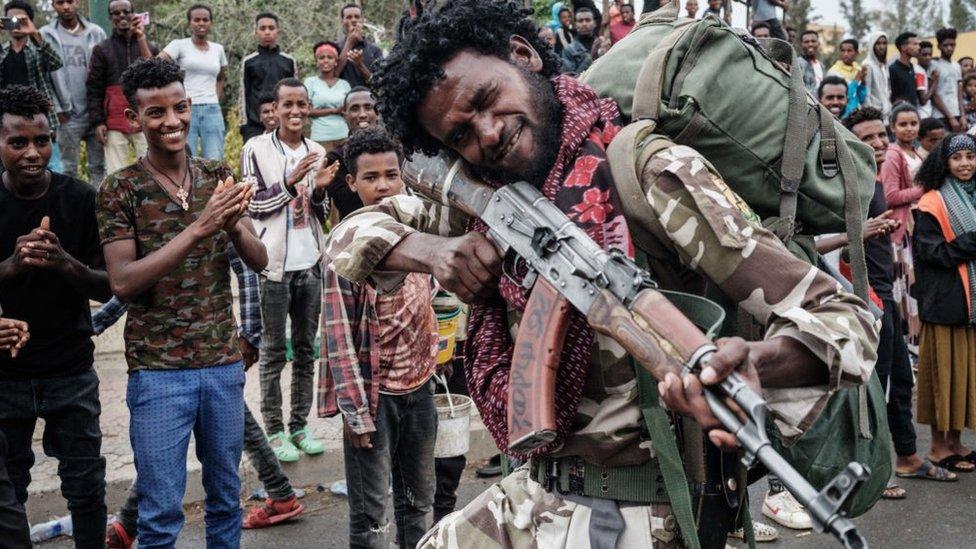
{"x":327,"y":243}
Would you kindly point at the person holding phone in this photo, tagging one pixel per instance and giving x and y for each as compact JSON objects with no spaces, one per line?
{"x":106,"y":102}
{"x":28,"y":60}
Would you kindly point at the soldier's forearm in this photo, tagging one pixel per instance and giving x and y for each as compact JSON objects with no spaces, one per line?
{"x":413,"y":254}
{"x":785,"y":362}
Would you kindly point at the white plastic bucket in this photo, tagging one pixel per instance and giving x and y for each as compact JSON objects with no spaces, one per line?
{"x":453,"y":423}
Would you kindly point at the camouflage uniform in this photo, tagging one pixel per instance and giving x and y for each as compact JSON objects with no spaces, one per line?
{"x":710,"y":231}
{"x":186,"y":319}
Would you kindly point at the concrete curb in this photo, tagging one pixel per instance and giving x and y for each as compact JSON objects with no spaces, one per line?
{"x":310,"y":472}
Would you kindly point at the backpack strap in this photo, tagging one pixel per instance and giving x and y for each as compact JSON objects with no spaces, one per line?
{"x":794,"y":152}
{"x":625,"y":167}
{"x":852,"y":202}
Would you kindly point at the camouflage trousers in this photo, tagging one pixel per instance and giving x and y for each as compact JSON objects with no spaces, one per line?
{"x":518,"y":512}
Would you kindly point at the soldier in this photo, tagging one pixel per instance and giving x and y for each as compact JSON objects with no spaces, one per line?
{"x":493,"y":95}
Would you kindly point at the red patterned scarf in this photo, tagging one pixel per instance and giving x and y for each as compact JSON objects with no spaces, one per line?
{"x":581,"y":185}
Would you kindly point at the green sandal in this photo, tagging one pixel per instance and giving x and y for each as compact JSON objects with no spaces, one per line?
{"x":307,"y":443}
{"x":284,"y":450}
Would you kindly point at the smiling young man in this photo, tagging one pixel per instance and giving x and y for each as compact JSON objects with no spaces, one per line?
{"x":289,"y":179}
{"x":833,"y":95}
{"x":809,"y":60}
{"x":492,"y":94}
{"x":381,"y":346}
{"x":260,"y":72}
{"x":106,"y":102}
{"x":167,"y":224}
{"x":74,"y":38}
{"x":52,"y":266}
{"x":359,"y":110}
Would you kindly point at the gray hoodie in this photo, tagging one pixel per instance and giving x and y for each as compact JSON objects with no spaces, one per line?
{"x":876,"y":79}
{"x":93,"y":34}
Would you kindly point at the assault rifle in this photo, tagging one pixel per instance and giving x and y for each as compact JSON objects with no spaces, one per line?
{"x":619,"y":299}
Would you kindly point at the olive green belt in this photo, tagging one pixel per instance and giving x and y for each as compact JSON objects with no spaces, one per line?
{"x":573,"y":475}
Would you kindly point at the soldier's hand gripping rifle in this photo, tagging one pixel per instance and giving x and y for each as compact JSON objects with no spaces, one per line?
{"x":618,"y":299}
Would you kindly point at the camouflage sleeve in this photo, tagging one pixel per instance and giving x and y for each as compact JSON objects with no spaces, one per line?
{"x":715,"y":233}
{"x":361,"y":241}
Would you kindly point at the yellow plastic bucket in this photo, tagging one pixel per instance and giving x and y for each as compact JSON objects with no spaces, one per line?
{"x":447,"y":331}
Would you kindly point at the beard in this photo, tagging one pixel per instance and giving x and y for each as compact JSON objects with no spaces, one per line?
{"x":548,"y":135}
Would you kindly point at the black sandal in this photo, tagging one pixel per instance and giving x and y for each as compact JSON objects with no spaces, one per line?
{"x":952,"y":464}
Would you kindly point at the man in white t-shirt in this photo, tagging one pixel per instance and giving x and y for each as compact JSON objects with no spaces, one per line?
{"x":947,"y":101}
{"x":289,"y":206}
{"x":205,"y":64}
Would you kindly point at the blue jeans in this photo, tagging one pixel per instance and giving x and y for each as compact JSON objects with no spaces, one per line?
{"x":207,"y":128}
{"x":165,"y":407}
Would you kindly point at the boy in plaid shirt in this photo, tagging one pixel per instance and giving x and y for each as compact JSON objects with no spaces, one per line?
{"x":381,"y":344}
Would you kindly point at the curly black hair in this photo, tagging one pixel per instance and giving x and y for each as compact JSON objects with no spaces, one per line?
{"x":935,"y":168}
{"x":414,"y":66}
{"x":374,"y":140}
{"x":863,"y":114}
{"x":147,"y":74}
{"x":26,"y":101}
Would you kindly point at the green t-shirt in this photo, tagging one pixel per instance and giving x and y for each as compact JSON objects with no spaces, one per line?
{"x":323,"y":96}
{"x":186,"y":319}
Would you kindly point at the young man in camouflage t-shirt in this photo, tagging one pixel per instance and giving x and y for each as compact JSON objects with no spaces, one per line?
{"x":167,"y":223}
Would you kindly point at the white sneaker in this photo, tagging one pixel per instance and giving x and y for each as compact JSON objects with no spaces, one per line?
{"x":785,"y":510}
{"x":764,"y":532}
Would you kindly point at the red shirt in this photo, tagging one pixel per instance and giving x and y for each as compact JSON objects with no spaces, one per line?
{"x":619,"y":30}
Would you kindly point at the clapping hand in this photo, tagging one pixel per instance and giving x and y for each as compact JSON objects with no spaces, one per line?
{"x":228,"y":202}
{"x":13,"y":335}
{"x":880,"y":225}
{"x":325,"y":175}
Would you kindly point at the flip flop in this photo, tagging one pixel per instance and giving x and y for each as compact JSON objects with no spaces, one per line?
{"x":970,"y":457}
{"x":952,"y":463}
{"x":893,"y":491}
{"x":940,"y":474}
{"x":125,"y":541}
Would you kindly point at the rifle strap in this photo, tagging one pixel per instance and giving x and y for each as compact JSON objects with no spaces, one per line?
{"x":669,"y":460}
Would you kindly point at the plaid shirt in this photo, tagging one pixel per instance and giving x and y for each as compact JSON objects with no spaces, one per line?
{"x":250,"y":305}
{"x":373,"y":341}
{"x":346,"y":377}
{"x":41,"y":62}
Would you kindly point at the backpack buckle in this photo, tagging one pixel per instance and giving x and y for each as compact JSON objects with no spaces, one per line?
{"x":828,"y":157}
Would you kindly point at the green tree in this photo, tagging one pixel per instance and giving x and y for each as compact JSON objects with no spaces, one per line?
{"x":858,"y":19}
{"x":800,"y":15}
{"x":961,"y":15}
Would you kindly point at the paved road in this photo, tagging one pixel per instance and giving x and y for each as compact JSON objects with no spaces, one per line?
{"x":934,"y":515}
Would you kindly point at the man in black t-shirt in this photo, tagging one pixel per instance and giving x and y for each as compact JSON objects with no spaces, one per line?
{"x":52,"y":265}
{"x":901,"y":72}
{"x":358,"y":54}
{"x":359,"y":110}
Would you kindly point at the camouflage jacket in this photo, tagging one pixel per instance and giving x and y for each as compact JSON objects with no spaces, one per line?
{"x":711,"y":232}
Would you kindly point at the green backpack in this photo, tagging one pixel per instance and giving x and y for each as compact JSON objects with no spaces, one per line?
{"x":702,"y":84}
{"x":705,"y":85}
